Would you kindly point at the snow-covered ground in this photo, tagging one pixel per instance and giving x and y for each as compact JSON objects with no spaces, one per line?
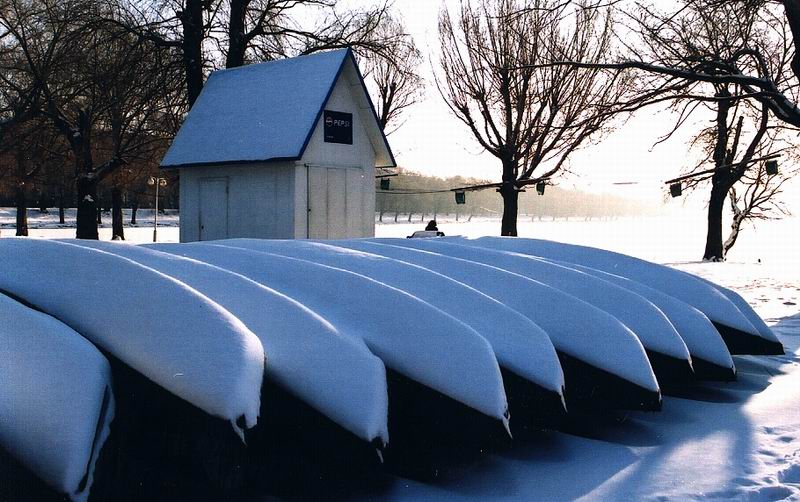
{"x":737,"y":440}
{"x":47,"y":225}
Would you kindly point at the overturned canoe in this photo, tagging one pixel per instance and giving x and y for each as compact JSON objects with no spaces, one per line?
{"x":186,"y":344}
{"x":604,"y":363}
{"x":665,"y":348}
{"x":411,"y":337}
{"x":521,"y":346}
{"x":710,"y":357}
{"x":334,"y":374}
{"x":738,"y":332}
{"x":56,"y":401}
{"x":745,"y":308}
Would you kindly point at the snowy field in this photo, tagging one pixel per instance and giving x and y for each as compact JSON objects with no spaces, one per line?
{"x":732,"y":441}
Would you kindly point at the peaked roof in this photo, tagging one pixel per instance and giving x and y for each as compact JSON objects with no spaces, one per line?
{"x":266,"y":111}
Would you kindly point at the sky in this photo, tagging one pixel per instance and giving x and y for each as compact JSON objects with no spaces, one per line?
{"x":432,"y":141}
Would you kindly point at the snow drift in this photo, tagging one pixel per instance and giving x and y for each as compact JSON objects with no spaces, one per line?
{"x":520,"y":345}
{"x":158,"y":326}
{"x":334,"y":374}
{"x":710,"y":356}
{"x":56,"y":402}
{"x":738,"y":333}
{"x":409,"y":335}
{"x":666,"y":350}
{"x":587,"y":338}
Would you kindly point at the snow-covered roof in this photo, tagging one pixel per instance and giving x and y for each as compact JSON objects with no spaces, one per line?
{"x":267,"y":112}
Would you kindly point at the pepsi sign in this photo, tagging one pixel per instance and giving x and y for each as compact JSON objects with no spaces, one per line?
{"x":338,"y":127}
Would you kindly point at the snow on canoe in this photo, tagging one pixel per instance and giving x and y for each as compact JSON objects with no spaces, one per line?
{"x":411,"y":337}
{"x":604,"y":363}
{"x":738,"y":333}
{"x":745,"y":308}
{"x":337,"y":376}
{"x":710,"y":357}
{"x":156,"y":325}
{"x":56,"y":402}
{"x":666,"y":350}
{"x":521,"y":346}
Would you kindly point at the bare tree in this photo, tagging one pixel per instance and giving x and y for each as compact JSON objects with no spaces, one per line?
{"x":99,"y":88}
{"x":496,"y":80}
{"x":394,"y":81}
{"x":719,"y":37}
{"x":209,"y":34}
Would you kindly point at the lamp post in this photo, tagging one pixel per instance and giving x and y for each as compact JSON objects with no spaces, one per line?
{"x":157,"y":182}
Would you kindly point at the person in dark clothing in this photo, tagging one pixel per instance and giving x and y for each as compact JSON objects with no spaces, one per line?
{"x":432,"y":227}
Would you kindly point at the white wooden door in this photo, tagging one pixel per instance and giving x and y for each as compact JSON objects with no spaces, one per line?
{"x":335,"y":202}
{"x":317,"y":203}
{"x":213,"y":208}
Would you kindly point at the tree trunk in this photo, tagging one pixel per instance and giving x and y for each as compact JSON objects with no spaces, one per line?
{"x":43,"y":202}
{"x":237,"y":43}
{"x":192,"y":48}
{"x":117,"y":227}
{"x":61,"y":207}
{"x":736,"y":227}
{"x":87,"y":209}
{"x":510,"y":207}
{"x":792,"y":10}
{"x":714,"y":250}
{"x":22,"y":211}
{"x":134,"y":209}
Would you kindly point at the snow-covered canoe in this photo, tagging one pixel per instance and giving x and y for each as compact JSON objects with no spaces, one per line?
{"x":522,"y":347}
{"x":56,"y":401}
{"x":710,"y":357}
{"x":411,"y":337}
{"x":739,"y":334}
{"x":604,"y":363}
{"x":334,"y":374}
{"x":744,"y":308}
{"x":666,"y":350}
{"x":156,"y":325}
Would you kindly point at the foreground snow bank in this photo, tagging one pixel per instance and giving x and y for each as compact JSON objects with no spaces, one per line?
{"x":335,"y":375}
{"x":185,"y":343}
{"x":410,"y":336}
{"x":575,"y":327}
{"x":520,"y":345}
{"x":56,"y":402}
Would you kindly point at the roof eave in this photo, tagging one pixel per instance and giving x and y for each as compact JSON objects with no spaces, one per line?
{"x":229,"y":162}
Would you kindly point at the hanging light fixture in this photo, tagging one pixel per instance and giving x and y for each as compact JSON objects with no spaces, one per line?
{"x":772,"y":167}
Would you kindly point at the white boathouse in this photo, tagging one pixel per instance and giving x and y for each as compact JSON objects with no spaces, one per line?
{"x":285,"y":150}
